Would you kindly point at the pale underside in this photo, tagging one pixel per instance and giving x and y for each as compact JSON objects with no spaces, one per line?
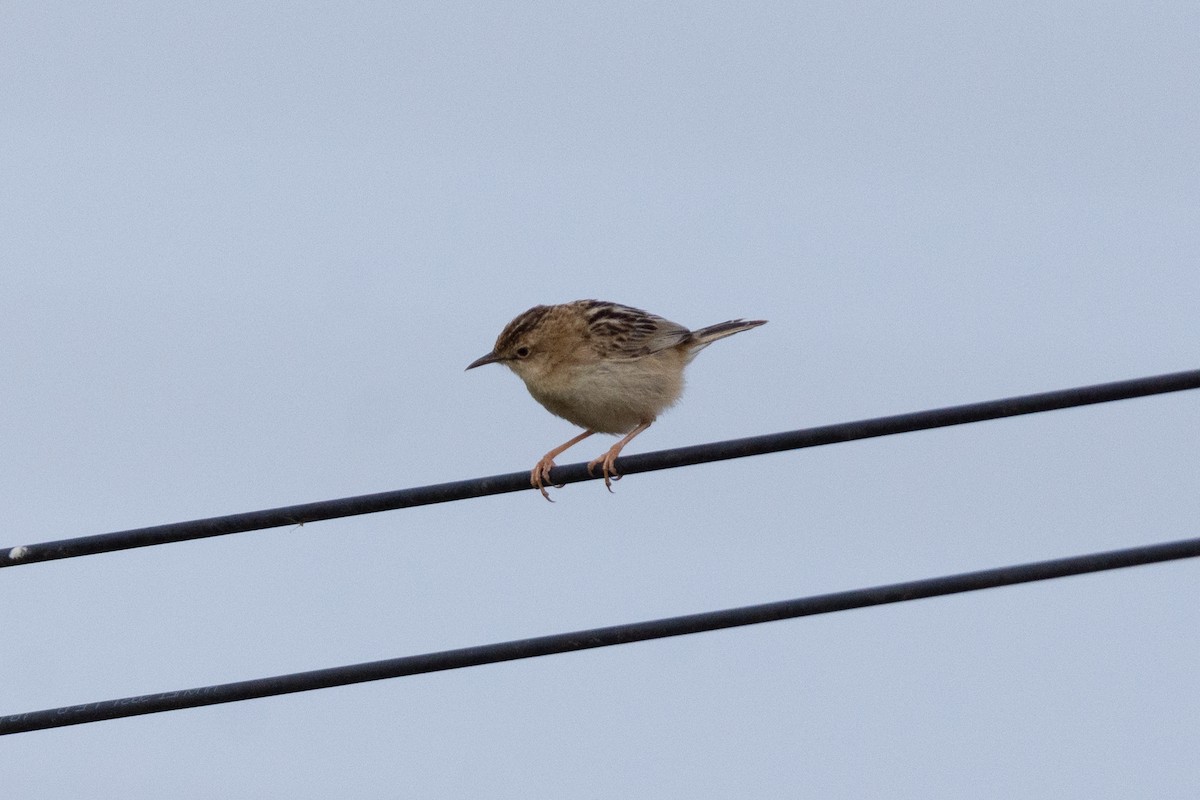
{"x":613,"y":395}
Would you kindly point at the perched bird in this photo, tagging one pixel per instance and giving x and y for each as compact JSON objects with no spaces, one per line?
{"x":605,"y":367}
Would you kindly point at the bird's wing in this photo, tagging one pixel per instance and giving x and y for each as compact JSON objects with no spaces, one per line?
{"x":618,"y":331}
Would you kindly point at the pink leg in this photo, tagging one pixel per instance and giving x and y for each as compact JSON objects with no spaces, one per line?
{"x":541,"y":470}
{"x":606,"y":461}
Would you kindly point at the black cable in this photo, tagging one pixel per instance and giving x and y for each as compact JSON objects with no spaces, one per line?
{"x":597,"y":637}
{"x":574,"y":473}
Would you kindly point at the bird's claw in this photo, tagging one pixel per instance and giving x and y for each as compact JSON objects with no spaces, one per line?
{"x":541,"y":476}
{"x":607,"y":469}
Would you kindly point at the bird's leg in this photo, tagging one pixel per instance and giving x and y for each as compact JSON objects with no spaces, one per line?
{"x":605,"y":461}
{"x":541,"y":470}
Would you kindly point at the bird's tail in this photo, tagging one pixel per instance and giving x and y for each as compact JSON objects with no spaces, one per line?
{"x":706,"y":336}
{"x":723,"y":329}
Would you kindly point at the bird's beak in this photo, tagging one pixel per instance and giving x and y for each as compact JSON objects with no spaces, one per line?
{"x":490,"y":358}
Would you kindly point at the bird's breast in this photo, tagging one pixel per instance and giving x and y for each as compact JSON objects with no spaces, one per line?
{"x":611,"y":396}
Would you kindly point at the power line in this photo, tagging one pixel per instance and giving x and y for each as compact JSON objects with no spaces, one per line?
{"x":598,"y":637}
{"x":574,"y":473}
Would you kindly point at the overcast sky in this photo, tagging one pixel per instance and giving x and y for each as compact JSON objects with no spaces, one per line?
{"x":248,"y":249}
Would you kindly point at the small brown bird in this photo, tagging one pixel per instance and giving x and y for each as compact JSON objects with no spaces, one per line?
{"x":605,"y":367}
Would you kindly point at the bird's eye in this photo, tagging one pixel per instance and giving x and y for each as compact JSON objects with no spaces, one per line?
{"x":522,"y":352}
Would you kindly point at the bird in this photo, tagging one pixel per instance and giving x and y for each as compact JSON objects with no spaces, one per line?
{"x":605,"y":367}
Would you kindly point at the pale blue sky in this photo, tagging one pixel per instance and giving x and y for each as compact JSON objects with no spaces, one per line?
{"x":249,"y":248}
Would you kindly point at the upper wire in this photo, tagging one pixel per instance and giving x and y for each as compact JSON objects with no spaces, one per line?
{"x":574,"y":473}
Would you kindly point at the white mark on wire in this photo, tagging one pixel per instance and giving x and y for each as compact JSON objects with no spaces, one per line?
{"x":17,"y":553}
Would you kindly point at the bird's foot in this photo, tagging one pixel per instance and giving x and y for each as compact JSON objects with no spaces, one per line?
{"x":607,"y":467}
{"x":540,"y":476}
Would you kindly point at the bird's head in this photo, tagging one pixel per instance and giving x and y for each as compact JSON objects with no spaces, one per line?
{"x":530,"y":345}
